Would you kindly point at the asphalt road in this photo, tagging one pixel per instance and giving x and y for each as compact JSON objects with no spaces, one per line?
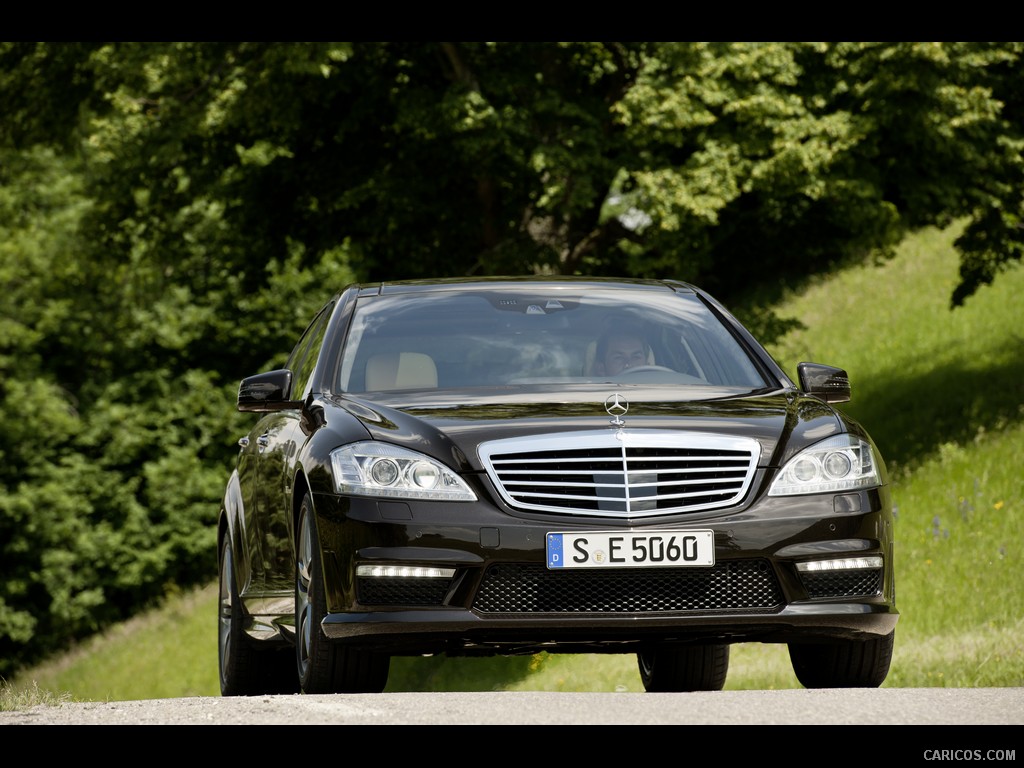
{"x":858,"y":707}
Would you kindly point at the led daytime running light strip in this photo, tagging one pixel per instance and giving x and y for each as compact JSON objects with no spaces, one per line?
{"x":846,"y":564}
{"x":404,"y":572}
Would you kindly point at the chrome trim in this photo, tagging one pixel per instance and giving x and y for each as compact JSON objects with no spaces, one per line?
{"x":622,"y":474}
{"x":617,"y":406}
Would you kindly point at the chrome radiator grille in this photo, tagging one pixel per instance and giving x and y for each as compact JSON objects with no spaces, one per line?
{"x":624,"y":473}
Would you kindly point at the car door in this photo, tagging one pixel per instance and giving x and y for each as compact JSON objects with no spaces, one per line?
{"x":278,"y":438}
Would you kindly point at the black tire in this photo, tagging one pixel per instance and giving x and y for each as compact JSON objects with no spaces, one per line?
{"x":326,"y":667}
{"x":246,"y":669}
{"x":843,"y":664}
{"x":673,"y":668}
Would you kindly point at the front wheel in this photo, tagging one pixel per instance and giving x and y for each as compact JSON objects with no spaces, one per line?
{"x":245,"y":669}
{"x":673,"y":668}
{"x":326,"y":667}
{"x":844,"y":663}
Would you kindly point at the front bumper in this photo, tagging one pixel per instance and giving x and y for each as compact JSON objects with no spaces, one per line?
{"x":461,"y":632}
{"x":499,"y":597}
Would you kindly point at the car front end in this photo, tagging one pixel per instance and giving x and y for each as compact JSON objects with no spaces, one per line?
{"x":679,"y":534}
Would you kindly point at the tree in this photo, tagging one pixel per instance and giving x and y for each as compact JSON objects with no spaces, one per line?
{"x":754,"y":160}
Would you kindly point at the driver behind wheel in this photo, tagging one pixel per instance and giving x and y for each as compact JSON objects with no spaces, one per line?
{"x":619,"y":350}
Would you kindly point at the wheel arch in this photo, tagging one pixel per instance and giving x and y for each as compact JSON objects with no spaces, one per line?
{"x":231,"y":526}
{"x":300,"y":487}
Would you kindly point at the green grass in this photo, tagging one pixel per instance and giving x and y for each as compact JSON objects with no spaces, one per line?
{"x":940,"y":391}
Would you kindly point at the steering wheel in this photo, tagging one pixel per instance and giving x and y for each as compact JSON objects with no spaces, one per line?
{"x":644,"y":369}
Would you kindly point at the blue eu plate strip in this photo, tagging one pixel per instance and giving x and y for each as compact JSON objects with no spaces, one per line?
{"x":555,"y":558}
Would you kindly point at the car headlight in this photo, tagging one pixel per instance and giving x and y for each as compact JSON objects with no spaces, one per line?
{"x":380,"y":469}
{"x":841,"y":463}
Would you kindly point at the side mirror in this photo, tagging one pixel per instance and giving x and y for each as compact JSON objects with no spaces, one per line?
{"x":830,"y":384}
{"x":266,"y":392}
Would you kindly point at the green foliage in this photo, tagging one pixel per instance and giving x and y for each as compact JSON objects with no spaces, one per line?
{"x":738,"y":163}
{"x":172,"y":214}
{"x":769,"y":162}
{"x":13,"y":699}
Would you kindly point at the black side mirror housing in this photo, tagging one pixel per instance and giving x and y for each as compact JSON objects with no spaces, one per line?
{"x":266,"y":392}
{"x":830,"y":384}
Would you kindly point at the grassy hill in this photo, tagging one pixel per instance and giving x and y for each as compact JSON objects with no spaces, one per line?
{"x":942,"y":393}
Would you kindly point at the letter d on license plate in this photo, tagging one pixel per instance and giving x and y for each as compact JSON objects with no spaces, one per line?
{"x":630,"y":549}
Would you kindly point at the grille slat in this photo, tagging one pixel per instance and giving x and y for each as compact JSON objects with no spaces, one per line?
{"x":623,"y":473}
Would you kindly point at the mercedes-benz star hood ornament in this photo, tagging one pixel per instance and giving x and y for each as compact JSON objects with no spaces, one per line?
{"x":617,"y":406}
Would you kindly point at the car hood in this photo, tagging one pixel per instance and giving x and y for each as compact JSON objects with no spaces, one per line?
{"x":783,"y":422}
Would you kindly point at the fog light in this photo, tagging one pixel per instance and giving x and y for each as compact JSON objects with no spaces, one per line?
{"x":842,"y":564}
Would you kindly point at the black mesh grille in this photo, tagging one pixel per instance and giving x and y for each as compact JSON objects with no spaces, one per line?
{"x":402,"y":591}
{"x":733,"y":586}
{"x":859,"y":583}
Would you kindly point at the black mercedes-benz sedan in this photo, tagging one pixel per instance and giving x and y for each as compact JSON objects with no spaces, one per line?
{"x":570,"y":465}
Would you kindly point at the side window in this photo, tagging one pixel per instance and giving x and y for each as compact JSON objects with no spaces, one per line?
{"x":303,"y":358}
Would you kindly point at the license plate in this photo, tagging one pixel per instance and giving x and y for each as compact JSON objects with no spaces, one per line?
{"x":630,"y":549}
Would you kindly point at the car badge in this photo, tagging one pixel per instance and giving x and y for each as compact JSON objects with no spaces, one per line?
{"x":617,"y":406}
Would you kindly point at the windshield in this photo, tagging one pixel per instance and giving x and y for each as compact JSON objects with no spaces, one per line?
{"x":524,"y":337}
